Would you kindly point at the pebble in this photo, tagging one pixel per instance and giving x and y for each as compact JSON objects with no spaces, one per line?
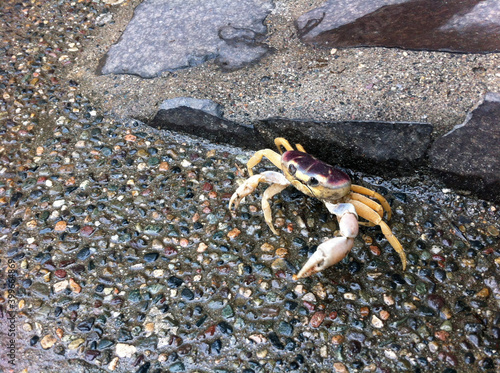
{"x":60,"y":226}
{"x":76,"y":343}
{"x":337,"y":339}
{"x":384,"y":315}
{"x":48,"y":341}
{"x":376,"y":322}
{"x":125,"y":350}
{"x":235,"y":232}
{"x":317,"y":319}
{"x":340,"y":368}
{"x":60,"y":286}
{"x":75,"y":287}
{"x":483,"y":293}
{"x":389,"y":300}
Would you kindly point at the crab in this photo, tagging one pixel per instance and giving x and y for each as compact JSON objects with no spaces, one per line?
{"x":330,"y":185}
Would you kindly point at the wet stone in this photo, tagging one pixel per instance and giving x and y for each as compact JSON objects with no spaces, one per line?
{"x":187,"y":294}
{"x":135,"y":296}
{"x":461,"y":26}
{"x":151,"y":257}
{"x":275,"y":341}
{"x":177,"y":367}
{"x":174,"y":282}
{"x":374,"y":147}
{"x":124,"y":335}
{"x":40,"y":290}
{"x":199,"y":123}
{"x":285,"y":328}
{"x":227,"y":312}
{"x":105,"y":343}
{"x":225,"y":328}
{"x":86,"y":325}
{"x":467,"y":157}
{"x":83,"y":253}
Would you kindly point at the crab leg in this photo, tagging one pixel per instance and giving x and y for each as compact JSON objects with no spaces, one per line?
{"x":367,"y":213}
{"x":274,"y":157}
{"x":371,"y":193}
{"x":278,"y":183}
{"x":266,"y":208}
{"x":335,"y":249}
{"x":281,"y":141}
{"x":370,"y":203}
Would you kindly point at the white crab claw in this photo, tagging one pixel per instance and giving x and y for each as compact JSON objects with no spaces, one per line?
{"x":244,"y":190}
{"x":327,"y":254}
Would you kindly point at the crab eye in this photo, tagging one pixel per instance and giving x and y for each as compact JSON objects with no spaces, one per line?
{"x":292,"y":169}
{"x":313,"y":181}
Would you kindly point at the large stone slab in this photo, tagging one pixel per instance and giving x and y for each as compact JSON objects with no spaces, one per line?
{"x":202,"y":124}
{"x":469,"y":156}
{"x":457,"y":26}
{"x":165,"y":35}
{"x":375,"y":147}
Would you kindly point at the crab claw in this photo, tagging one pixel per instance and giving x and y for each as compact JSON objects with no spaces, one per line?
{"x":327,"y":254}
{"x":244,"y":190}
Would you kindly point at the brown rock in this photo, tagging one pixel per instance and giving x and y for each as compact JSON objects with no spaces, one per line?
{"x":456,"y":26}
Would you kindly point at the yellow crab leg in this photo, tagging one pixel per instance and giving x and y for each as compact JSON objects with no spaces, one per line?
{"x":367,"y":213}
{"x":369,"y":202}
{"x":282,"y":142}
{"x":274,"y":157}
{"x":300,"y":148}
{"x":371,"y":193}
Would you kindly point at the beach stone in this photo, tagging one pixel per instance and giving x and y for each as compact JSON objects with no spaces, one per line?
{"x":124,"y":350}
{"x":384,"y":148}
{"x":199,"y":123}
{"x":41,"y":290}
{"x":468,"y":157}
{"x":48,"y":341}
{"x":166,"y":35}
{"x":456,"y":26}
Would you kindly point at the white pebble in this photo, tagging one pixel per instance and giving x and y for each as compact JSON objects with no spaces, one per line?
{"x":125,"y":350}
{"x":58,"y":203}
{"x":376,"y":322}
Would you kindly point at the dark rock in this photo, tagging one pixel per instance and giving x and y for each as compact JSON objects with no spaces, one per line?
{"x":275,"y":341}
{"x":144,"y":368}
{"x":199,"y":123}
{"x":83,"y":253}
{"x":174,"y":282}
{"x":216,"y":346}
{"x":86,"y":326}
{"x":225,"y":328}
{"x":456,"y":26}
{"x":165,"y":35}
{"x":469,"y":157}
{"x":373,"y":147}
{"x":187,"y":294}
{"x":105,"y":343}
